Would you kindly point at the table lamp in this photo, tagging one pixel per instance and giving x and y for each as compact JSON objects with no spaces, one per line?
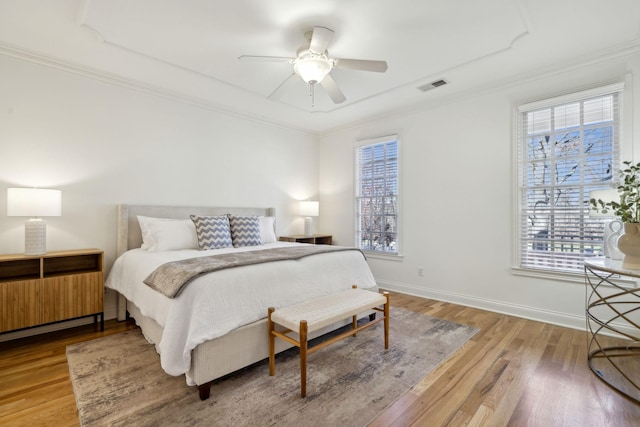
{"x":34,"y":203}
{"x":308,"y":209}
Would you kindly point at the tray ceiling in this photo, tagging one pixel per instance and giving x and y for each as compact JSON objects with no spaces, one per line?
{"x":190,"y":48}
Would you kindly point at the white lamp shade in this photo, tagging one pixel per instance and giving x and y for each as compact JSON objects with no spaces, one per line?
{"x":608,"y":195}
{"x":312,"y":69}
{"x":34,"y":202}
{"x":309,"y":208}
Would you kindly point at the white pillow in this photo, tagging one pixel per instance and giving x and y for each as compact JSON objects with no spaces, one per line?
{"x":165,"y":234}
{"x":267,"y":229}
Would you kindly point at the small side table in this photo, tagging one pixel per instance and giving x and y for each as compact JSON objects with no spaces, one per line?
{"x":613,"y":310}
{"x":315,"y":239}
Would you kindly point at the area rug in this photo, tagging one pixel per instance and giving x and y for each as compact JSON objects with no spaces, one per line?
{"x":117,"y":380}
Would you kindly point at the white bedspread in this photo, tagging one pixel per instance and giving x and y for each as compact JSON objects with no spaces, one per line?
{"x":217,"y":303}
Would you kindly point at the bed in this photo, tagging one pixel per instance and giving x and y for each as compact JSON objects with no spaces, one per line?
{"x":196,"y":332}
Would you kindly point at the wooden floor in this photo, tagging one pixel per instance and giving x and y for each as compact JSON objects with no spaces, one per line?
{"x":513,"y":372}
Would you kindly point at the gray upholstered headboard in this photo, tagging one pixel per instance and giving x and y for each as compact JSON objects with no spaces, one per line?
{"x":129,"y":235}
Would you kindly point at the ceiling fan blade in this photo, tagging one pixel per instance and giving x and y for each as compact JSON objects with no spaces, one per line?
{"x":332,"y":89}
{"x":320,"y":39}
{"x":361,"y":64}
{"x":278,"y":91}
{"x":254,"y":58}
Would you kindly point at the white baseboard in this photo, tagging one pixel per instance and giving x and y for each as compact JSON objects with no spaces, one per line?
{"x":526,"y":312}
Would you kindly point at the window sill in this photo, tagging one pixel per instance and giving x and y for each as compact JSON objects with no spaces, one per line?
{"x":386,"y":257}
{"x":564,"y":277}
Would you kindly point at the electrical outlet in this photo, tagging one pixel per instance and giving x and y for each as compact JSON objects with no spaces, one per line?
{"x":420,"y":272}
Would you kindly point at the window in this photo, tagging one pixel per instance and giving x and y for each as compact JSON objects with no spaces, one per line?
{"x":568,"y":147}
{"x":377,"y":195}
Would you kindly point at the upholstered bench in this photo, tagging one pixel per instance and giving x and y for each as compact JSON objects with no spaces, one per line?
{"x":310,"y":316}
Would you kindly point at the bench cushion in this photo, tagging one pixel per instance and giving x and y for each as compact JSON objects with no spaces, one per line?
{"x":327,"y":310}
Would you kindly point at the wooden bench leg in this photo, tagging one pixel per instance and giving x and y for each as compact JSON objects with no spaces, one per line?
{"x":303,"y":358}
{"x":354,"y":325}
{"x":386,"y":320}
{"x":354,"y":321}
{"x":272,"y":344}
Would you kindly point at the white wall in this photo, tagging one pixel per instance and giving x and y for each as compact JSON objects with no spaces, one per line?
{"x":457,"y":196}
{"x":104,"y":144}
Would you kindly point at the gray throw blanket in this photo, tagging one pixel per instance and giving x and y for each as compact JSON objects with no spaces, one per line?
{"x":170,"y":278}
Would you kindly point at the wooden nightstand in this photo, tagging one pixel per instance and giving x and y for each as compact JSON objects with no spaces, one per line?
{"x":315,"y":239}
{"x":60,"y":285}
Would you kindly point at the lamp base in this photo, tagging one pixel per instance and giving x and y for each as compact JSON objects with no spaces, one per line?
{"x":308,"y":226}
{"x":35,"y":237}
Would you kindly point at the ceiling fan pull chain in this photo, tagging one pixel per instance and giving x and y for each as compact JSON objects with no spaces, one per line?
{"x":312,"y":94}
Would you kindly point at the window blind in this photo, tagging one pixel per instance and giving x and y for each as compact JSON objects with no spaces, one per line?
{"x":569,"y":147}
{"x":377,"y":195}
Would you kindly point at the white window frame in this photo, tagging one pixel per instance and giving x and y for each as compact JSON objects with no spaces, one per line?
{"x":397,"y":254}
{"x":519,"y":187}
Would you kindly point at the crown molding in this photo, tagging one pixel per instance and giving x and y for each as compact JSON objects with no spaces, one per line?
{"x":133,"y":84}
{"x":39,"y":58}
{"x":620,"y":51}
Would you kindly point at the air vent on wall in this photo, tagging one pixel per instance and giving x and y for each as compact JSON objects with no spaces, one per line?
{"x":432,"y":85}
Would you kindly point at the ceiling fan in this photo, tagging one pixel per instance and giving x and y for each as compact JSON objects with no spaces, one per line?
{"x":313,"y":64}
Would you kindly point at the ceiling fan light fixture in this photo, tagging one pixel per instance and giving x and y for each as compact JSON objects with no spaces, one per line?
{"x":313,"y":64}
{"x":312,"y":69}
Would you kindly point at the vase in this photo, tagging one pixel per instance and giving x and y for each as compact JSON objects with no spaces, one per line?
{"x":629,"y":245}
{"x":612,"y":231}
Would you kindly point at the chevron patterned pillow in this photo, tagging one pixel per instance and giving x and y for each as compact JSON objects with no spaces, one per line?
{"x":245,"y":230}
{"x":212,"y":231}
